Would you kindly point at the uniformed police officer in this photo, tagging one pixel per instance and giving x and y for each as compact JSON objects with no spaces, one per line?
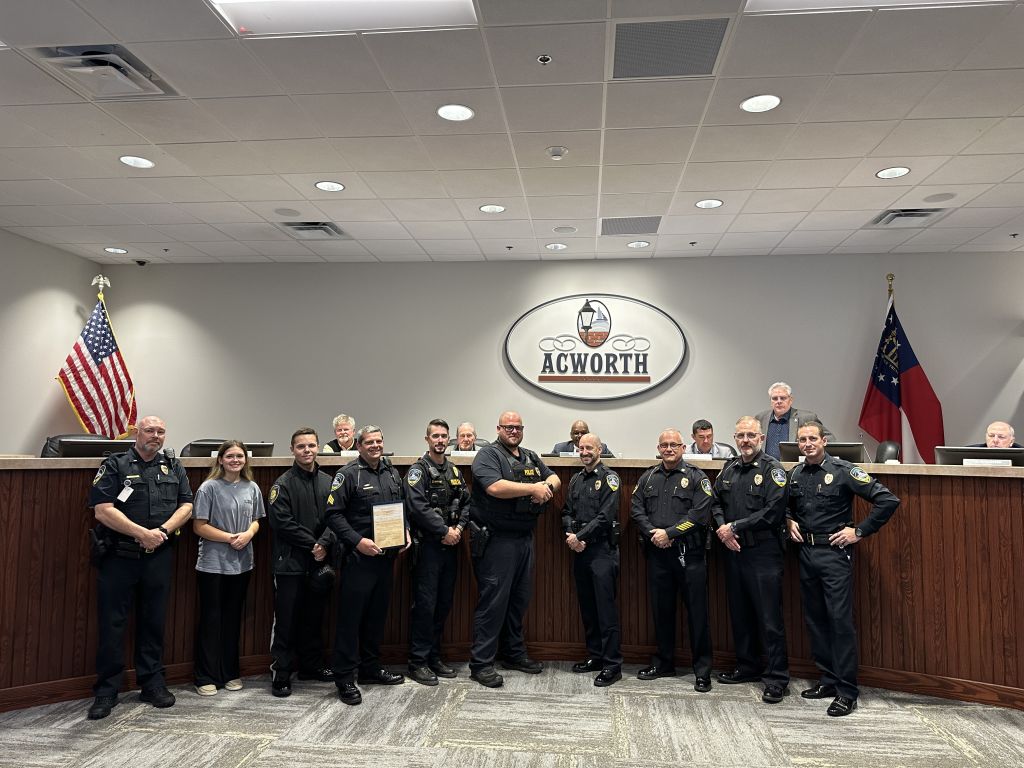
{"x":749,"y":511}
{"x":671,"y":508}
{"x":588,"y":519}
{"x":511,"y":485}
{"x":821,"y":521}
{"x":366,"y":577}
{"x":438,"y":503}
{"x":140,"y":498}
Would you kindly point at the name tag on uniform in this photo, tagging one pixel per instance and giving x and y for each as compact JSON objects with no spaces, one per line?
{"x":125,"y":493}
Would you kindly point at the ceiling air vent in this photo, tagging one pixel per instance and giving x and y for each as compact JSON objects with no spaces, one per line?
{"x":314,"y":230}
{"x":631,"y":225}
{"x":103,"y":71}
{"x":907,"y":217}
{"x":668,"y":48}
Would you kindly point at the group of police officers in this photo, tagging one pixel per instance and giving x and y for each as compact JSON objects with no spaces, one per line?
{"x":318,"y":525}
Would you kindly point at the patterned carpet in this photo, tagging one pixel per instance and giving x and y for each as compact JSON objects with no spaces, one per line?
{"x":552,"y":720}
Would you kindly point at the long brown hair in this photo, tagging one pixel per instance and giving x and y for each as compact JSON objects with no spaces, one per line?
{"x":217,"y":470}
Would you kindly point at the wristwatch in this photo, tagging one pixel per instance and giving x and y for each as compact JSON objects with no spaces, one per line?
{"x":859,"y":532}
{"x":163,"y":531}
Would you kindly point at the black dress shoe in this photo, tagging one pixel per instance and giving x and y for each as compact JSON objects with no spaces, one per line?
{"x":590,"y":665}
{"x":349,"y":693}
{"x":702,"y":685}
{"x":607,"y":677}
{"x":159,"y":697}
{"x":324,"y":675}
{"x":524,"y":664}
{"x":381,"y":677}
{"x":819,"y":692}
{"x":281,"y":688}
{"x":773,"y":694}
{"x":734,"y":677}
{"x":841,"y":706}
{"x":422,"y":675}
{"x":654,"y":672}
{"x":487,"y":677}
{"x":101,"y":707}
{"x":441,"y":669}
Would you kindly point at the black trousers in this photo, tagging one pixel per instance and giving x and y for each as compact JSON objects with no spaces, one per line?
{"x":666,"y":578}
{"x":754,"y":580}
{"x":504,"y":576}
{"x":221,"y":599}
{"x":362,"y":611}
{"x":596,"y":572}
{"x":297,"y":637}
{"x":122,"y":583}
{"x":826,"y":585}
{"x":433,"y":588}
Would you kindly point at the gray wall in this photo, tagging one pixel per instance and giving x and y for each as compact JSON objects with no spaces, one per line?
{"x":252,"y":351}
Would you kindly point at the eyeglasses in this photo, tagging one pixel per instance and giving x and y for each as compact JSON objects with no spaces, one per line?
{"x":747,"y":435}
{"x":511,"y":427}
{"x":670,"y":445}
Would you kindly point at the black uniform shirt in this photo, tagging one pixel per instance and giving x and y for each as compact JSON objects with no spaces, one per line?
{"x":753,"y":496}
{"x":430,"y":497}
{"x":593,"y":502}
{"x":355,"y":490}
{"x":159,"y":487}
{"x":821,"y":497}
{"x":297,"y":516}
{"x":492,"y":463}
{"x":677,"y":500}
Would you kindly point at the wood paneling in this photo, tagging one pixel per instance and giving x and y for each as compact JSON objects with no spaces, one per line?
{"x":939,"y":593}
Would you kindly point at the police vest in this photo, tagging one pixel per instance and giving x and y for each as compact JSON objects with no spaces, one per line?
{"x":442,"y":494}
{"x":521,"y":514}
{"x":154,"y":487}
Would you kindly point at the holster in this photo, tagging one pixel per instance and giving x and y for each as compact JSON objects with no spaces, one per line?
{"x":479,"y":537}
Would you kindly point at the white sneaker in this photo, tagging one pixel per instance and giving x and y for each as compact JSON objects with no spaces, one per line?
{"x":233,"y":685}
{"x":206,"y":690}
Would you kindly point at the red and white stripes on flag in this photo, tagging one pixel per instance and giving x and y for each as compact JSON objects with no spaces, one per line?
{"x":96,"y":380}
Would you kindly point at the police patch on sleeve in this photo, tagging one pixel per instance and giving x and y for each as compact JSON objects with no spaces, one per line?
{"x":414,"y":476}
{"x":860,"y":475}
{"x":705,"y":485}
{"x":275,"y":491}
{"x":613,"y":481}
{"x":99,"y":474}
{"x":779,"y":477}
{"x":339,"y":479}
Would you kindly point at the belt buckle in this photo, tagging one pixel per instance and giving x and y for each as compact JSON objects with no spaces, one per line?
{"x":810,"y":539}
{"x":148,"y":551}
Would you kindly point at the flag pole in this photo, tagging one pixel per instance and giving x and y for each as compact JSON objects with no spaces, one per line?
{"x":890,"y":277}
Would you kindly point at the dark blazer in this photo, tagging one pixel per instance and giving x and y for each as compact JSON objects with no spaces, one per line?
{"x":568,"y":446}
{"x":797,"y":418}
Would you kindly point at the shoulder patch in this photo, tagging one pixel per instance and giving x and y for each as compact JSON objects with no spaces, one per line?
{"x":779,"y":477}
{"x":705,"y":485}
{"x":860,"y":475}
{"x":414,"y":476}
{"x":337,"y":482}
{"x":613,"y":481}
{"x":275,"y":491}
{"x":99,"y":474}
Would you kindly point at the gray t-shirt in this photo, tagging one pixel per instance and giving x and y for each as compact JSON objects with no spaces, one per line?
{"x":230,"y":507}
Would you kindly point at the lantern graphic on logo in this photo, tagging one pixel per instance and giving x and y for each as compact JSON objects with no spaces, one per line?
{"x":593,"y":323}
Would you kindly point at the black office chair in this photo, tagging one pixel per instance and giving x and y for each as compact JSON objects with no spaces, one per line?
{"x":204,"y":451}
{"x":887,"y":449}
{"x":50,"y":448}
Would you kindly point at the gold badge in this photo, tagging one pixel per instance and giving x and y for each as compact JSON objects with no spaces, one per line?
{"x":829,"y":479}
{"x":275,"y":490}
{"x":597,"y":485}
{"x":758,"y":479}
{"x":685,"y":482}
{"x":164,"y":469}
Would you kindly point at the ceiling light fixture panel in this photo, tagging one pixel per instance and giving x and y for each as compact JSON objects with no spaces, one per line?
{"x":137,"y":162}
{"x":256,"y":18}
{"x":762,"y":103}
{"x":455,"y":112}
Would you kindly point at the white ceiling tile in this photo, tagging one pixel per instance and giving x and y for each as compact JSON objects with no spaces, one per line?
{"x":635,"y":146}
{"x":307,"y":65}
{"x":563,"y":207}
{"x":420,"y":111}
{"x":576,"y":51}
{"x":214,"y":159}
{"x":230,"y":249}
{"x":133,"y":20}
{"x":644,"y":8}
{"x":945,"y":238}
{"x":405,"y":184}
{"x":154,"y":213}
{"x":41,"y":215}
{"x":640,"y":204}
{"x":383,"y":153}
{"x":888,"y":96}
{"x":446,"y":256}
{"x":702,"y":241}
{"x":553,"y":107}
{"x":725,"y":175}
{"x":509,"y":248}
{"x":531,"y":148}
{"x":114,"y":190}
{"x":49,"y":23}
{"x":1007,"y":136}
{"x":510,"y":228}
{"x":836,"y":220}
{"x":668,"y":253}
{"x":620,"y":179}
{"x":252,"y":232}
{"x":861,"y":198}
{"x":546,"y":227}
{"x":355,"y":210}
{"x":991,"y":242}
{"x":765,"y":222}
{"x":977,"y":169}
{"x":1003,"y":196}
{"x":299,"y":155}
{"x":425,"y":210}
{"x":750,"y":240}
{"x":919,"y":196}
{"x":169,"y":122}
{"x":546,"y":255}
{"x":180,"y":189}
{"x":375,"y":230}
{"x":18,"y":132}
{"x":966,"y":218}
{"x":793,"y":174}
{"x":741,"y":142}
{"x":992,"y":93}
{"x":695,"y":224}
{"x":469,"y":151}
{"x":40,"y":192}
{"x":932,"y":137}
{"x":685,"y":203}
{"x":438,"y":230}
{"x":796,"y":94}
{"x":208,"y":68}
{"x":128,"y":233}
{"x":355,"y":114}
{"x":384,"y":248}
{"x":863,"y":173}
{"x":836,"y":139}
{"x":515,"y":208}
{"x":451,"y":247}
{"x":220,"y":213}
{"x":58,"y":162}
{"x":22,"y":83}
{"x":166,"y":164}
{"x":269,"y":210}
{"x":823,"y":238}
{"x":305,"y":184}
{"x":281,"y":249}
{"x":493,"y":183}
{"x":198,"y":233}
{"x":254,"y":187}
{"x":565,"y":180}
{"x":783,"y":200}
{"x":263,"y":117}
{"x":75,"y":124}
{"x":95,"y":214}
{"x":784,"y":251}
{"x":434,"y":58}
{"x":879,"y":237}
{"x":651,"y":104}
{"x":1001,"y":48}
{"x":537,"y":11}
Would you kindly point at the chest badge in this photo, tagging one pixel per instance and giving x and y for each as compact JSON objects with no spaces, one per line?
{"x":164,"y":469}
{"x":597,"y":485}
{"x":758,"y":479}
{"x":684,"y":483}
{"x":829,"y":479}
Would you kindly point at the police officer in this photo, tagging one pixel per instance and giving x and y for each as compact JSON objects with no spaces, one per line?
{"x":589,"y":520}
{"x":140,"y":498}
{"x":302,"y":546}
{"x":821,"y":521}
{"x":438,"y":503}
{"x":671,"y":507}
{"x":366,"y":577}
{"x":749,"y":511}
{"x":511,"y":485}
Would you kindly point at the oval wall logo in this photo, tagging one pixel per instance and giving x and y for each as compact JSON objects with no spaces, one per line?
{"x":595,"y":346}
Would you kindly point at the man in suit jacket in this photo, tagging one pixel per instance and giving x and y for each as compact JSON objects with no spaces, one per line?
{"x":782,"y":420}
{"x":998,"y":435}
{"x":578,"y":429}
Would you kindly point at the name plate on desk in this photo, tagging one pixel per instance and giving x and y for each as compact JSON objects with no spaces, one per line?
{"x":568,"y":455}
{"x":463,"y":454}
{"x":389,"y":525}
{"x":988,"y":463}
{"x":698,"y":457}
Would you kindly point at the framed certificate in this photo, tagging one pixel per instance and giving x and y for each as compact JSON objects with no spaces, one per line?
{"x":389,"y":525}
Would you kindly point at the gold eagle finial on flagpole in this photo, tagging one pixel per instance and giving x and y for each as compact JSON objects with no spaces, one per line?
{"x":103,"y":282}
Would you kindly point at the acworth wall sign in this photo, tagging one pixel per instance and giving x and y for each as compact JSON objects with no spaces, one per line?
{"x":595,"y":346}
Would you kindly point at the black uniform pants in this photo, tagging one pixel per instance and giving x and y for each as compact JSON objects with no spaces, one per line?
{"x":433,"y":588}
{"x":122,"y":582}
{"x":296,"y":639}
{"x":221,"y":599}
{"x":666,"y":578}
{"x":596,"y":572}
{"x":826,"y":585}
{"x":754,"y":579}
{"x":504,"y":576}
{"x":362,"y":612}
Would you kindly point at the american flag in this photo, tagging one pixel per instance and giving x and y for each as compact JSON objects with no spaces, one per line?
{"x":96,"y":380}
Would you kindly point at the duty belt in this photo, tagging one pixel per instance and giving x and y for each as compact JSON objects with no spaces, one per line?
{"x":818,"y":539}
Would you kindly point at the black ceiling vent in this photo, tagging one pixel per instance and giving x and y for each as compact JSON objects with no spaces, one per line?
{"x":631,"y":225}
{"x":668,"y":48}
{"x":907,"y":217}
{"x":314,"y":230}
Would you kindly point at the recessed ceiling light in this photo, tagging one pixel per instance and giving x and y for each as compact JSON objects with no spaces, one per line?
{"x":556,"y":246}
{"x":763,"y":103}
{"x":492,"y":208}
{"x":565,"y":230}
{"x":638,"y":244}
{"x":115,"y":250}
{"x":136,"y":162}
{"x":709,"y":203}
{"x":838,"y":6}
{"x":329,"y":186}
{"x":893,"y":173}
{"x":455,"y":112}
{"x":557,"y":153}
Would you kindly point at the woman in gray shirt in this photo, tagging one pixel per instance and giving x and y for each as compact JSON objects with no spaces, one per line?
{"x":227,"y":507}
